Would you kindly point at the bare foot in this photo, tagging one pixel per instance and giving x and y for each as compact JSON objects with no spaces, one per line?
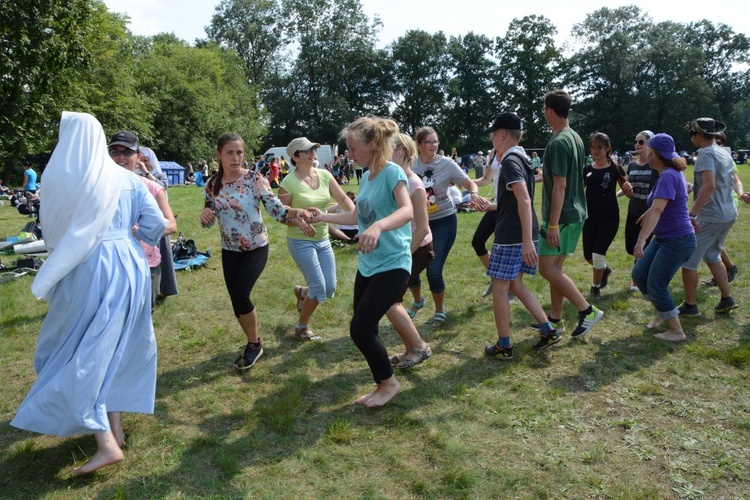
{"x":671,"y":336}
{"x":385,"y":391}
{"x":101,"y":458}
{"x":115,"y":424}
{"x":107,"y":453}
{"x":362,"y":400}
{"x":655,"y":323}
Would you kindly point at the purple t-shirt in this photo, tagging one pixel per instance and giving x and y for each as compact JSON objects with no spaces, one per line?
{"x":675,"y":219}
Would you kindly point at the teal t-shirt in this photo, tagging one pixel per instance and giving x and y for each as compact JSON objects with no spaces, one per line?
{"x":30,"y":180}
{"x":565,"y":157}
{"x":374,"y":202}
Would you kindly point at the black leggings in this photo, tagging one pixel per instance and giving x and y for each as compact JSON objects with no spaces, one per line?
{"x":598,"y":235}
{"x":484,"y":230}
{"x":373,"y":296}
{"x":241,"y":271}
{"x":632,"y":230}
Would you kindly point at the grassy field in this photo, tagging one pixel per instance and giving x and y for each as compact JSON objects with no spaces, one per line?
{"x":619,"y":415}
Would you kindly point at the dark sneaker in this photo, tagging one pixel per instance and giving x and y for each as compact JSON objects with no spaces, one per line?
{"x":726,"y":304}
{"x":557,"y":325}
{"x":732,"y":273}
{"x":605,"y":278}
{"x":596,"y":293}
{"x":547,"y":340}
{"x":249,"y":357}
{"x":494,"y":351}
{"x":487,"y":292}
{"x":587,"y":322}
{"x":688,"y":310}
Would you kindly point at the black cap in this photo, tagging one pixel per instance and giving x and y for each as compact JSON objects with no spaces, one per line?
{"x":125,"y":138}
{"x":505,"y":121}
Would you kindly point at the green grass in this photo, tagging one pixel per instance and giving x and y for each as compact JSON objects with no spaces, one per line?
{"x":618,"y":415}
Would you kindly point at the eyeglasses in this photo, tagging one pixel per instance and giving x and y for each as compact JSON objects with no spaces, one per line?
{"x":308,"y":151}
{"x":431,"y":143}
{"x":127,"y":153}
{"x":640,"y":142}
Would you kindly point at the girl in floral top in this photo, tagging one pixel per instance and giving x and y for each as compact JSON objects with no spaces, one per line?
{"x":234,"y":196}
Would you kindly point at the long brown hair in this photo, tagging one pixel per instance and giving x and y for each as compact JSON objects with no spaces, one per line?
{"x":214,"y":184}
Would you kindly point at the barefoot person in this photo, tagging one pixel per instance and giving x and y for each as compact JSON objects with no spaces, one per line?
{"x":309,"y":244}
{"x":383,"y":213}
{"x":417,"y":350}
{"x":96,"y":352}
{"x":674,"y":242}
{"x":234,"y":196}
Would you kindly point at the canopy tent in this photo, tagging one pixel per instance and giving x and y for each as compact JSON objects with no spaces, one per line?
{"x":174,"y":171}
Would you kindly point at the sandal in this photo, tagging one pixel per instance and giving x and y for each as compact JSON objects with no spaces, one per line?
{"x":421,"y":354}
{"x":414,"y":309}
{"x":305,"y":334}
{"x":300,"y":292}
{"x":396,"y":358}
{"x":438,"y":319}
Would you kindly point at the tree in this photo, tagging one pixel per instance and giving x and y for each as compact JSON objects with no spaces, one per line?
{"x":420,"y":79}
{"x":529,"y":65}
{"x":470,"y":107}
{"x":254,"y":29}
{"x":197,"y":94}
{"x":603,"y":73}
{"x":44,"y":47}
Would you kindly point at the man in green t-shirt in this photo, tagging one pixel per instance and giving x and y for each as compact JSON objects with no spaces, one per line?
{"x":563,"y":213}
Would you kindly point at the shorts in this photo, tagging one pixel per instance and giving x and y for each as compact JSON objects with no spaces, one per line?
{"x":506,"y":262}
{"x":569,"y":236}
{"x":710,"y":241}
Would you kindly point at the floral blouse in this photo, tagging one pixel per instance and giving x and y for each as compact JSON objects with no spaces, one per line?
{"x":238,"y":209}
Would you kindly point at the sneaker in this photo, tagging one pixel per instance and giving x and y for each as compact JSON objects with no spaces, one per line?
{"x":732,"y":273}
{"x":249,"y":356}
{"x":634,"y":287}
{"x":595,"y":292}
{"x":487,"y":292}
{"x":605,"y":277}
{"x":547,"y":340}
{"x":586,"y":323}
{"x":559,"y":326}
{"x":726,"y":304}
{"x":688,"y":310}
{"x":494,"y":351}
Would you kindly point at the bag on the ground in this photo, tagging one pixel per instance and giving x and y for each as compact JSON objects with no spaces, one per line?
{"x":183,"y":248}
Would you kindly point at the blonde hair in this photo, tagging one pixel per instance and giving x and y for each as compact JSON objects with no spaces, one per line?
{"x":376,"y":131}
{"x":402,"y":140}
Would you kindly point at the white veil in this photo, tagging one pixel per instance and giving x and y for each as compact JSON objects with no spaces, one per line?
{"x":80,"y":196}
{"x":155,"y":166}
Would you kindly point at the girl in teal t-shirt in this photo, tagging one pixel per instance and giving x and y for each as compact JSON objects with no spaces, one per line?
{"x":383,"y":214}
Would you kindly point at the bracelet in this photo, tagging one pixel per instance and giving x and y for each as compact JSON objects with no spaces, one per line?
{"x":553,"y":227}
{"x":473,"y":192}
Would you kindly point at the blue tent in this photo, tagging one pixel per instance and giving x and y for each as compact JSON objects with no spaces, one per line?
{"x":174,"y":172}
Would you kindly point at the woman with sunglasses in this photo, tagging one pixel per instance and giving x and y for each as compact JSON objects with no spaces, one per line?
{"x":600,"y":228}
{"x":309,"y":245}
{"x":642,"y":178}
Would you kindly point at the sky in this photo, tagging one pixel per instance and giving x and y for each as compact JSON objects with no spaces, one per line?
{"x":188,"y":18}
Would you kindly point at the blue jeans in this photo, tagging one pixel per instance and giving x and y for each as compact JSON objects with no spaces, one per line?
{"x":443,"y":236}
{"x":316,"y":261}
{"x":652,"y":274}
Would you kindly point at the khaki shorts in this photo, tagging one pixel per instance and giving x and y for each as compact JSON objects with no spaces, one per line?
{"x":569,"y":236}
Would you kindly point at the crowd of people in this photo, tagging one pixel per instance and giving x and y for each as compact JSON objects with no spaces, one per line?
{"x":404,"y":223}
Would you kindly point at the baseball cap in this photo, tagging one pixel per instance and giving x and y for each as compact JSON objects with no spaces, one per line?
{"x":300,"y":144}
{"x":125,"y":138}
{"x":505,"y":121}
{"x":664,"y":145}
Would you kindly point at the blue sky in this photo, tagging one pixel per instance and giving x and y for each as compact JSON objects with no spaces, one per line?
{"x":187,"y":18}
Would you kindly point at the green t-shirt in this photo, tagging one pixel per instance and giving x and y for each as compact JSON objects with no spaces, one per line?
{"x":565,"y":157}
{"x":304,"y":197}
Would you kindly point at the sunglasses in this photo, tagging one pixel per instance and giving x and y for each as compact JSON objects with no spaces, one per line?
{"x":719,"y":143}
{"x":127,"y":153}
{"x":640,"y":142}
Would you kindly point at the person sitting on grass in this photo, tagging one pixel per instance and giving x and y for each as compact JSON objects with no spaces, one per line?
{"x":514,"y":252}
